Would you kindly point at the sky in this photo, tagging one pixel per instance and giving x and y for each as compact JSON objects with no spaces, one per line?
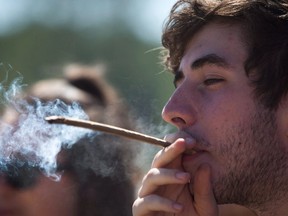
{"x":145,"y":17}
{"x":155,"y":12}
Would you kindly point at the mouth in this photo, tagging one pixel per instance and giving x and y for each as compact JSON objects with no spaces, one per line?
{"x":192,"y":154}
{"x":195,"y":147}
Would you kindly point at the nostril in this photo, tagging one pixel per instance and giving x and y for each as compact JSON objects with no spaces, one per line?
{"x":178,"y":121}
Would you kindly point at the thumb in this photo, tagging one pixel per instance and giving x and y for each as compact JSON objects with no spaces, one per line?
{"x":204,"y":200}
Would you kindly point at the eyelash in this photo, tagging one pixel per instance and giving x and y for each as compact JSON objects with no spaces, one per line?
{"x":212,"y":81}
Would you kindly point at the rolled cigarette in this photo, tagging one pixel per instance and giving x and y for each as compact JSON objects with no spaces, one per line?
{"x":107,"y":129}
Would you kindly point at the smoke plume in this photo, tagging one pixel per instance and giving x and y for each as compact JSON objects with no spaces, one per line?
{"x":30,"y":139}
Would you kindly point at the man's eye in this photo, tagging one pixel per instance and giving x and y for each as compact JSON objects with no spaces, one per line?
{"x":177,"y":78}
{"x":212,"y":81}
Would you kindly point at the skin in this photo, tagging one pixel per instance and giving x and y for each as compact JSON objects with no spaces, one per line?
{"x":45,"y":198}
{"x":219,"y":118}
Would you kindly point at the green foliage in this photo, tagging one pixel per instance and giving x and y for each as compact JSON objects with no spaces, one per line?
{"x":39,"y":52}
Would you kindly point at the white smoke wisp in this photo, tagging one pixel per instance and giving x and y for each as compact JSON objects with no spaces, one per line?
{"x":33,"y":139}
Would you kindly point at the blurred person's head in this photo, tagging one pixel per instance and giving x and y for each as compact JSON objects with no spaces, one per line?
{"x":96,"y":173}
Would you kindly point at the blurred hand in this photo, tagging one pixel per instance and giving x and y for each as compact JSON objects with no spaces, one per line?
{"x":165,"y":188}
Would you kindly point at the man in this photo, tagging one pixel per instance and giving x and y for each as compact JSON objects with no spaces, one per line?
{"x":230,"y":106}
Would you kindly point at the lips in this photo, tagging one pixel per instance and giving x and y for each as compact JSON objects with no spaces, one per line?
{"x":193,"y":150}
{"x":192,"y":154}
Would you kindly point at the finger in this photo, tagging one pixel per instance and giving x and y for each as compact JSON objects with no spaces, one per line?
{"x":149,"y":204}
{"x":204,"y":200}
{"x":169,"y":154}
{"x":159,"y":177}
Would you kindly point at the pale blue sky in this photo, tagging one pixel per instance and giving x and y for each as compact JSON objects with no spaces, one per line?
{"x":146,"y":16}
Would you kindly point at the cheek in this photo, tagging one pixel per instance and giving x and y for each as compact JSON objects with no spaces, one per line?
{"x":222,"y":121}
{"x":226,"y":110}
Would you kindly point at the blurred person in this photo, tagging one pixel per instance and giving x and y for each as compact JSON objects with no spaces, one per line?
{"x":230,"y":62}
{"x":96,"y":173}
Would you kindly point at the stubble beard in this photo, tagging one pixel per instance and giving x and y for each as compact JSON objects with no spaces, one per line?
{"x":256,"y":163}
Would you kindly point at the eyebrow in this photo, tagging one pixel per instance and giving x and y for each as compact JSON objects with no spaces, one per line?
{"x":210,"y":59}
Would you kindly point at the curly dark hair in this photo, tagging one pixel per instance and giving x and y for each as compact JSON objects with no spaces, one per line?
{"x":265,"y":31}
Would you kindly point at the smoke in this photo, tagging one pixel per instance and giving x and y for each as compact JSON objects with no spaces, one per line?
{"x":147,"y":153}
{"x":30,"y":139}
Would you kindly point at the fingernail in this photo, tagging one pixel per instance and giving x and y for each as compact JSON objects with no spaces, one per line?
{"x":182,"y":176}
{"x":177,"y":206}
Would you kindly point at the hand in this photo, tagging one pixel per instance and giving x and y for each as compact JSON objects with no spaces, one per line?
{"x":165,"y":188}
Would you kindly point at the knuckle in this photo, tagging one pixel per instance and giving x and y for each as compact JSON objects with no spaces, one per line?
{"x":151,"y":173}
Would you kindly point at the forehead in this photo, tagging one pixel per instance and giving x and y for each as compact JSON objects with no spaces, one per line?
{"x":224,"y":40}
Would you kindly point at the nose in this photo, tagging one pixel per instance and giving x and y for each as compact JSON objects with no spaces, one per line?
{"x":179,"y":110}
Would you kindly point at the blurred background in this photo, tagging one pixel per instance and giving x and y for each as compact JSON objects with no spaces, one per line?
{"x":37,"y":38}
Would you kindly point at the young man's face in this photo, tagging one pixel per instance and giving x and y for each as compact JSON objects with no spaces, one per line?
{"x":214,"y":103}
